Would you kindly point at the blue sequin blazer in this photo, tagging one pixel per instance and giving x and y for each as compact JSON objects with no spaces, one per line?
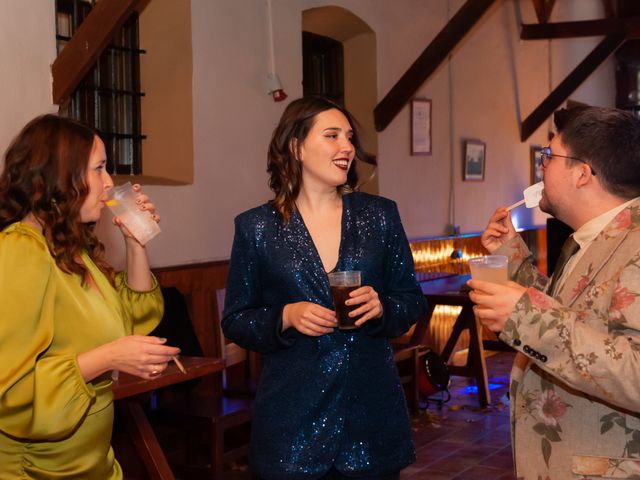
{"x":333,"y":400}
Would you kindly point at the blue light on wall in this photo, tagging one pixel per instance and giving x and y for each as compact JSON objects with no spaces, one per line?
{"x":515,"y":220}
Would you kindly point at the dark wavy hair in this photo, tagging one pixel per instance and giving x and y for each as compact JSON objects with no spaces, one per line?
{"x":283,"y":166}
{"x":44,"y":174}
{"x":609,"y":140}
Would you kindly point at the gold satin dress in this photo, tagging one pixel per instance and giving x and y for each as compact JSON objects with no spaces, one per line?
{"x":54,"y":425}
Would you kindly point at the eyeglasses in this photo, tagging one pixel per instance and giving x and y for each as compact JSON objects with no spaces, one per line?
{"x":546,"y":156}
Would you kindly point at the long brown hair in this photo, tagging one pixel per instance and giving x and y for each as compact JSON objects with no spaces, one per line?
{"x":44,"y":174}
{"x":283,"y":165}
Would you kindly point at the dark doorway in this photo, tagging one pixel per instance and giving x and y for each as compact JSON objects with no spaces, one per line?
{"x":322,"y":67}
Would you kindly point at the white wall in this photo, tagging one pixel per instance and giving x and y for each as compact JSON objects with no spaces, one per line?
{"x":497,"y":80}
{"x":233,"y":118}
{"x":27,"y":49}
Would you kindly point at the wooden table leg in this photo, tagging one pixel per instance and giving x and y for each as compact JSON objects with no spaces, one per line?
{"x":475,"y":360}
{"x":458,"y":327}
{"x":476,"y":366}
{"x":145,"y":440}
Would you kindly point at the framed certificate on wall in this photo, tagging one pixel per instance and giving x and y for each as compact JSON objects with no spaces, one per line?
{"x":420,"y":126}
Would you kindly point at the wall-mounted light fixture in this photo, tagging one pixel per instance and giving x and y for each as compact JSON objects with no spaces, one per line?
{"x":274,"y":86}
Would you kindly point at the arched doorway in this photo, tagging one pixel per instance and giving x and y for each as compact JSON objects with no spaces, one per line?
{"x":357,"y":82}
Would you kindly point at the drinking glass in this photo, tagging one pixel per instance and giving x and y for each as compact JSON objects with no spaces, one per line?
{"x":343,"y":283}
{"x":122,"y":203}
{"x":491,"y":268}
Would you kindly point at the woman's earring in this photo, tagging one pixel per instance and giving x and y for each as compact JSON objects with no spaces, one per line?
{"x":54,"y":204}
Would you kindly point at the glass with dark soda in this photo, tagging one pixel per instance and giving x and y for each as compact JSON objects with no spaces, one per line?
{"x":342,"y":284}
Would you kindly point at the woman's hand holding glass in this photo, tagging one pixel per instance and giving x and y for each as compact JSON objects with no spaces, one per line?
{"x":309,"y":318}
{"x":315,"y":320}
{"x":370,"y":305}
{"x":145,"y":205}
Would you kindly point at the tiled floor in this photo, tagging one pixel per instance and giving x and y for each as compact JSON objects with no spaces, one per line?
{"x":460,"y":440}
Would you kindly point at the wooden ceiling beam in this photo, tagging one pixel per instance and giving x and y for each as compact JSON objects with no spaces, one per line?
{"x":630,"y":27}
{"x":441,"y":46}
{"x":543,"y":9}
{"x":579,"y":74}
{"x":82,"y":51}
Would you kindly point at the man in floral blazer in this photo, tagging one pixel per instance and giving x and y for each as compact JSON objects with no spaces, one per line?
{"x":575,"y":385}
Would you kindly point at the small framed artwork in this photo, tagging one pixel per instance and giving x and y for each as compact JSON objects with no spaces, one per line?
{"x":474,"y":160}
{"x":420,"y":126}
{"x":536,"y":164}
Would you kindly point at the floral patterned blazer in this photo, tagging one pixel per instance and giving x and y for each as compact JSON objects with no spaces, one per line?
{"x":575,"y":384}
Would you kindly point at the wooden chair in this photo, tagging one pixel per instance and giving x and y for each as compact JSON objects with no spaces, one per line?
{"x":407,"y":351}
{"x":407,"y":361}
{"x":217,"y":425}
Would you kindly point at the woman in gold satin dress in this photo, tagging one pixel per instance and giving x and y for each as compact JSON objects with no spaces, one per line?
{"x":66,"y":321}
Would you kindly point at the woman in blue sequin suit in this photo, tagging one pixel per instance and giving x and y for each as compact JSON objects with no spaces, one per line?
{"x":329,"y":403}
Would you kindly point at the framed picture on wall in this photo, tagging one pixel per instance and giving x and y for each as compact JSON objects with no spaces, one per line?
{"x":420,"y":126}
{"x":536,"y":163}
{"x":474,"y":160}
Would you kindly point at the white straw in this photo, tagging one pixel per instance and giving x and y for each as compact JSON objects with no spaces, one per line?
{"x":517,"y":204}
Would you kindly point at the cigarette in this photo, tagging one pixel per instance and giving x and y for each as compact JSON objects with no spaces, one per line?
{"x":179,"y":364}
{"x":517,"y":204}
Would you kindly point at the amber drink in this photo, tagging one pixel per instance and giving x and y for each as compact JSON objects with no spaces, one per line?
{"x":491,"y":268}
{"x":342,"y":284}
